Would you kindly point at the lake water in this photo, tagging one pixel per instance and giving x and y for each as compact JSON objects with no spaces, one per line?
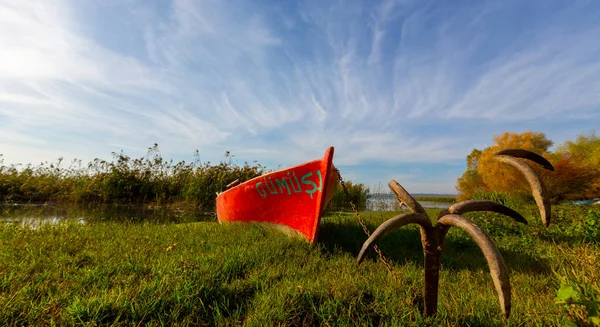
{"x":391,"y":204}
{"x":35,"y":215}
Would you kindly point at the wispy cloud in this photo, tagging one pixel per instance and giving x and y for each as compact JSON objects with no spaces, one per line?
{"x":556,"y":76}
{"x":388,"y":83}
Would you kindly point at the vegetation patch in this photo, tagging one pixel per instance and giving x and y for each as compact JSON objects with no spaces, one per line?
{"x":576,"y":174}
{"x":116,"y":273}
{"x":150,"y":180}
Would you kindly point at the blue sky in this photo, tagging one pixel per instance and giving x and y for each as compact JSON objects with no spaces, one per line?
{"x":401,"y":89}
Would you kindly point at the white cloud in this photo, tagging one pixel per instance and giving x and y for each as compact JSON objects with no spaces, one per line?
{"x":555,"y":75}
{"x":395,"y":81}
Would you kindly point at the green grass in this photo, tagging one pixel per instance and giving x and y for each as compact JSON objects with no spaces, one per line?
{"x":130,"y":274}
{"x":512,"y":201}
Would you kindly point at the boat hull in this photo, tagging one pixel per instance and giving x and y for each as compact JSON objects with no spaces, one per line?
{"x":294,"y":197}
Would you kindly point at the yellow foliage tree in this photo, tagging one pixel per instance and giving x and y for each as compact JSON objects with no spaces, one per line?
{"x":500,"y":177}
{"x":470,"y":183}
{"x":584,"y":155}
{"x":576,"y":163}
{"x":486,"y":174}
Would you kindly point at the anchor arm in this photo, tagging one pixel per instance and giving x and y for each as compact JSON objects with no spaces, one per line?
{"x":498,"y":269}
{"x":391,"y":225}
{"x":482,"y":205}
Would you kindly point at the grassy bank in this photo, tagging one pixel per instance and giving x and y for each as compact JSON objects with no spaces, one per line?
{"x":209,"y":274}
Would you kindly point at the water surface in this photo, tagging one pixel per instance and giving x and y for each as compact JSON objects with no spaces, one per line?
{"x":391,"y":204}
{"x":34,"y":215}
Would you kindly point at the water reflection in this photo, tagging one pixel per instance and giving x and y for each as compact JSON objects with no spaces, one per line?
{"x":391,"y":204}
{"x":34,"y":222}
{"x":35,"y":215}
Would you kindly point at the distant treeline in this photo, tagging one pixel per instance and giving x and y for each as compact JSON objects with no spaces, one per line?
{"x":436,"y":198}
{"x":133,"y":181}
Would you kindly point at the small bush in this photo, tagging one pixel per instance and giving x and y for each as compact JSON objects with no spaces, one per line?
{"x":357,"y":193}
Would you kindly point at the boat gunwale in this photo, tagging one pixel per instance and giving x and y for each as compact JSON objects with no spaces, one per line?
{"x":267,"y":174}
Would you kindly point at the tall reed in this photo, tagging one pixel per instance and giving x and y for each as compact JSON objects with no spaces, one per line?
{"x":124,"y":180}
{"x":150,"y":179}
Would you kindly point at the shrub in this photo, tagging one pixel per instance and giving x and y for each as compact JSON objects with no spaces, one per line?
{"x":357,"y":193}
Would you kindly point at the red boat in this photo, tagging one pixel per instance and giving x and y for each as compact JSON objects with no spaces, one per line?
{"x":292,"y":198}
